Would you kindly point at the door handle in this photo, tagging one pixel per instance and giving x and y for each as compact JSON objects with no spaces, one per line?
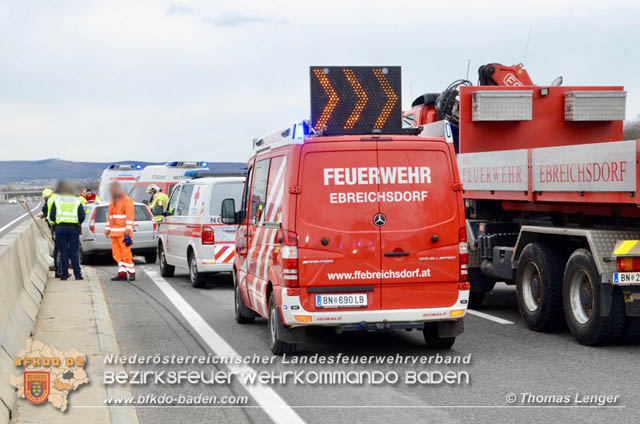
{"x":393,"y":254}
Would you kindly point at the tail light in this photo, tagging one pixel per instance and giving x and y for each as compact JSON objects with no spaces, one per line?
{"x":463,"y":254}
{"x":628,"y":264}
{"x":289,"y":254}
{"x":92,"y":221}
{"x":207,"y":235}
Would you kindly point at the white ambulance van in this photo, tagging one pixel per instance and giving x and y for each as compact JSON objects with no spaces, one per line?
{"x":125,"y":174}
{"x":192,"y":235}
{"x":165,"y":176}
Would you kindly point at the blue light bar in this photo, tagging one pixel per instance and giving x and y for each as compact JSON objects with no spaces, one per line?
{"x":300,"y":130}
{"x":204,"y":164}
{"x":138,"y":166}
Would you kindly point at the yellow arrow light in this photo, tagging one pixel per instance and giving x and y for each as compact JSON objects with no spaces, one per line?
{"x":392,"y":98}
{"x":333,"y":98}
{"x":362,"y":98}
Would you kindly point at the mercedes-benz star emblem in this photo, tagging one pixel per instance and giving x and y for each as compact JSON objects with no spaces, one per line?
{"x":379,"y":220}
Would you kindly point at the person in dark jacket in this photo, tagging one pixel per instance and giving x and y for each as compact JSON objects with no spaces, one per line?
{"x":67,"y":213}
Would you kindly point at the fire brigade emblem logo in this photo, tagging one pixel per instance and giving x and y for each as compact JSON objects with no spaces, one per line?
{"x":379,"y":220}
{"x":36,"y":386}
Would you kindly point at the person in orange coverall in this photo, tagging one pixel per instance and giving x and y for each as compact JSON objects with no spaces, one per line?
{"x":119,"y":228}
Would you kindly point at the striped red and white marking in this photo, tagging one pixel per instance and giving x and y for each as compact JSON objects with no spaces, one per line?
{"x":225,"y":253}
{"x":264,"y":241}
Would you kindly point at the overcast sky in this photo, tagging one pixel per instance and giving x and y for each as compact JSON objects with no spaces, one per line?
{"x":165,"y":80}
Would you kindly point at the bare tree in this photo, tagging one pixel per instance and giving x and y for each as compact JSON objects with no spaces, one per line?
{"x":632,"y":130}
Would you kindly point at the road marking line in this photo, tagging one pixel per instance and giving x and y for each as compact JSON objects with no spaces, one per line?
{"x":108,"y":343}
{"x":19,"y":218}
{"x":489,"y":317}
{"x":277,"y":409}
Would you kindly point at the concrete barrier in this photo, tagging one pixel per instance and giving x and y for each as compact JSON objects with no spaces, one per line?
{"x":24,"y":254}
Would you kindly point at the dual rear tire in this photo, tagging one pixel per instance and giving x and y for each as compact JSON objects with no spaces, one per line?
{"x":582,"y":294}
{"x":552,"y":292}
{"x":539,"y":287}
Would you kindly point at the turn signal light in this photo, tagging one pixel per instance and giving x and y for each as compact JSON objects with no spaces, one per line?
{"x":628,"y":264}
{"x":464,"y":286}
{"x":303,"y":318}
{"x":456,"y":313}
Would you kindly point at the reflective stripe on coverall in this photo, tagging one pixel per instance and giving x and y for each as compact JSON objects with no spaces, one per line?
{"x":120,"y":222}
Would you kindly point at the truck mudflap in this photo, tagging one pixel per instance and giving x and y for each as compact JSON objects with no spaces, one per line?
{"x":294,"y":315}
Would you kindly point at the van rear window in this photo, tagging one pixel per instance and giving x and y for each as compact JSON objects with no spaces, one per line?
{"x":140,"y":214}
{"x":223,"y":191}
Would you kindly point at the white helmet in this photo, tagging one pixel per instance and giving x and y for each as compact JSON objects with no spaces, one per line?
{"x":152,"y":187}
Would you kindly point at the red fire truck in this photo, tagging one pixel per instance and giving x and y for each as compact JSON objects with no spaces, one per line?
{"x":550,"y":191}
{"x":351,"y":222}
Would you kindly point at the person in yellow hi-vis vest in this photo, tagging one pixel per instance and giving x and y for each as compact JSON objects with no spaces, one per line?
{"x":67,"y":214}
{"x":48,"y":196}
{"x":158,"y":199}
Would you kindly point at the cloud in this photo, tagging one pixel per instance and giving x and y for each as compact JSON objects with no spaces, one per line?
{"x":223,"y":19}
{"x":180,"y":9}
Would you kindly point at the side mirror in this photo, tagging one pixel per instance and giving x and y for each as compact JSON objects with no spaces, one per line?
{"x":228,"y":213}
{"x":157,"y":210}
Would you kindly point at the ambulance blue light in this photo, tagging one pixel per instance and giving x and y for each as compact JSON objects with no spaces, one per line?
{"x":204,"y":164}
{"x":138,"y":166}
{"x":300,"y":130}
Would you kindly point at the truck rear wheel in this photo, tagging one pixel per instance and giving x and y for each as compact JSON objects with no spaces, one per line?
{"x":242,"y":313}
{"x":582,"y":302}
{"x":539,"y":287}
{"x":480,"y":286}
{"x":276,"y":344}
{"x":433,"y":340}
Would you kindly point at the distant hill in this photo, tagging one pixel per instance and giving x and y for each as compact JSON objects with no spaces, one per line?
{"x":27,"y":170}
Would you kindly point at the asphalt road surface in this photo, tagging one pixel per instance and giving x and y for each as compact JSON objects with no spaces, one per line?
{"x":12,"y":214}
{"x":167,"y":316}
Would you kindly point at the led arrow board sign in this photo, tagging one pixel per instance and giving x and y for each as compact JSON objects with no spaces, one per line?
{"x":356,"y":99}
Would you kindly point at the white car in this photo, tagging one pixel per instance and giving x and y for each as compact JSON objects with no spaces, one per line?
{"x":192,"y":235}
{"x":94,"y":242}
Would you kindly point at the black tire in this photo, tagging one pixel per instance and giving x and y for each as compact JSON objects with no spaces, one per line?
{"x":198,"y":279}
{"x":480,"y":286}
{"x":539,"y":287}
{"x":476,"y":299}
{"x":166,"y":270}
{"x":433,"y":341}
{"x":276,"y":344}
{"x":151,"y":258}
{"x":631,"y":333}
{"x":242,"y":313}
{"x":582,"y":301}
{"x":85,"y":258}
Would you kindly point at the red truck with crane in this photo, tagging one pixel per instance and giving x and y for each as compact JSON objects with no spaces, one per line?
{"x":551,"y":197}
